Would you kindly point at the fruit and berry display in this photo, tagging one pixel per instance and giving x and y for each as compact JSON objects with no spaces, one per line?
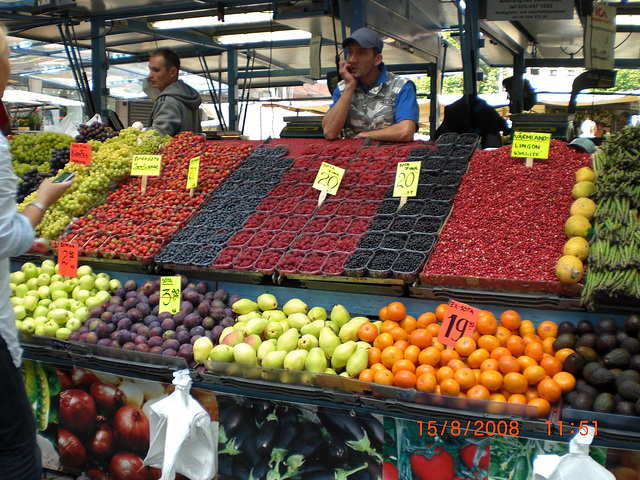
{"x":133,"y":225}
{"x":507,"y":221}
{"x":612,"y":267}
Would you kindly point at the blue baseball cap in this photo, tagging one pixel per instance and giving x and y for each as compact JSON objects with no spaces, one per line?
{"x":365,"y":37}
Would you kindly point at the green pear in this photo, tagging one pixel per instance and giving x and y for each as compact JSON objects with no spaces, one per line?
{"x":317,"y":313}
{"x":276,"y":315}
{"x":339,"y":315}
{"x":244,"y":305}
{"x":266,"y":301}
{"x":254,"y":340}
{"x":333,"y":326}
{"x":245,"y":354}
{"x":328,"y":341}
{"x":295,"y":360}
{"x":201,"y":349}
{"x":362,"y":344}
{"x":378,"y":324}
{"x":272,"y":330}
{"x":221,"y":353}
{"x":349,"y":330}
{"x":285,"y":325}
{"x":298,"y":320}
{"x":307,"y":342}
{"x":248,"y":316}
{"x":288,"y":341}
{"x":342,"y":353}
{"x":274,"y":359}
{"x":293,"y":306}
{"x":255,"y":326}
{"x":330,"y":371}
{"x":233,"y":338}
{"x":316,"y":361}
{"x":266,"y":347}
{"x":313,"y":328}
{"x":357,"y":362}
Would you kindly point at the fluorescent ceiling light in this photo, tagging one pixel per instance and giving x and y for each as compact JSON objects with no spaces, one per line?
{"x":279,"y":36}
{"x":233,"y":19}
{"x":630,"y":20}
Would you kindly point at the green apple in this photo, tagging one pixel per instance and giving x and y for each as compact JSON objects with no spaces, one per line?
{"x":103,"y":275}
{"x":75,"y":305}
{"x":39,"y":331}
{"x":103,"y":296}
{"x":12,"y":286}
{"x":93,"y":302}
{"x":40,"y":311}
{"x":30,"y":270}
{"x":56,"y":294}
{"x":33,"y":293}
{"x":84,"y":270}
{"x":56,"y":277}
{"x":29,"y":303}
{"x":57,"y":285}
{"x":19,"y":311}
{"x":70,"y":284}
{"x":101,"y":283}
{"x":16,"y":301}
{"x":18,"y":277}
{"x":82,"y":295}
{"x":43,"y":279}
{"x":114,"y":284}
{"x":44,"y":291}
{"x":87,"y":282}
{"x":21,"y":290}
{"x":45,"y":302}
{"x":50,"y":328}
{"x":48,"y":267}
{"x":63,"y":333}
{"x":61,"y":303}
{"x":39,"y":321}
{"x":28,"y":325}
{"x":73,"y":324}
{"x":32,"y":283}
{"x":82,"y":314}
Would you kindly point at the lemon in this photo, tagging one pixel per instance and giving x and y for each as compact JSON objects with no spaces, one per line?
{"x":577,"y":226}
{"x":583,"y":206}
{"x":583,"y":189}
{"x":569,"y":269}
{"x":578,"y":247}
{"x":585,"y":174}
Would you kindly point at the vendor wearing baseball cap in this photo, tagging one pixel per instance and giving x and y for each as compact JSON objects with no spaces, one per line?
{"x":370,"y":101}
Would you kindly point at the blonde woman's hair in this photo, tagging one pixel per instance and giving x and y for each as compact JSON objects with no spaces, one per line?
{"x":3,"y":38}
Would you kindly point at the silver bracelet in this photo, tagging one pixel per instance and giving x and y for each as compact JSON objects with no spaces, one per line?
{"x":40,"y":207}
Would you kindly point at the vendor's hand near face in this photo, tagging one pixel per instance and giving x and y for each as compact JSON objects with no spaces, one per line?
{"x":345,"y":73}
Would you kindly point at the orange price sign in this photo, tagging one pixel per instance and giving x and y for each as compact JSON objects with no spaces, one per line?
{"x":68,"y":259}
{"x":80,"y":153}
{"x":459,"y":321}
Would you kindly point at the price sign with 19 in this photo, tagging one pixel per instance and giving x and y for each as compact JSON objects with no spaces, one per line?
{"x":459,"y":321}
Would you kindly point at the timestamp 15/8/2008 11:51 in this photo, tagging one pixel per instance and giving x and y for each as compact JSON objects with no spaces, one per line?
{"x":573,"y":427}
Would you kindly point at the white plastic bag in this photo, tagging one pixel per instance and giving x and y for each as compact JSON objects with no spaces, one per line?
{"x":182,"y":438}
{"x":67,"y":126}
{"x":576,"y":465}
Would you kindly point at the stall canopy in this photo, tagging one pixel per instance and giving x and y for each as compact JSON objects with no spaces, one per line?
{"x":23,"y":97}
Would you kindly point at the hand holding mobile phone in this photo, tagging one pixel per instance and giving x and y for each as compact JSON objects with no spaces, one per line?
{"x":65,"y":176}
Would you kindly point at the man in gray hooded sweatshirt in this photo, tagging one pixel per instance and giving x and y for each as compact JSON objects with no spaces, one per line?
{"x":177,"y":107}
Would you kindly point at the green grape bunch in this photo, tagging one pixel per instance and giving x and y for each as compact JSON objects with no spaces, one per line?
{"x":34,"y":150}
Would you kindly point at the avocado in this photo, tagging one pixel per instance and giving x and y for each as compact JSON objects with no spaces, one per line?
{"x":621,"y":335}
{"x":584,"y":326}
{"x":617,"y":358}
{"x":588,"y":353}
{"x":583,"y":387}
{"x":625,"y":407}
{"x":601,"y":378}
{"x":637,"y":405}
{"x":629,"y":390}
{"x":564,"y":340}
{"x":604,"y":403}
{"x":628,"y":375}
{"x":582,"y":401}
{"x":632,"y":325}
{"x":634,"y":362}
{"x":589,"y":367}
{"x":587,"y":340}
{"x":574,"y":364}
{"x":631,"y":345}
{"x":606,"y":325}
{"x":606,"y":342}
{"x":568,"y":398}
{"x":566,"y":327}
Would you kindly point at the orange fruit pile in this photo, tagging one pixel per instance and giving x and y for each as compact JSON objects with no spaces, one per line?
{"x":507,"y":359}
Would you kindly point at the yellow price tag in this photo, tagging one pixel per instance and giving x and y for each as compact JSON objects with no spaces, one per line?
{"x":146,"y":165}
{"x":407,"y":176}
{"x":170,"y":294}
{"x":328,"y":178}
{"x":194,"y":169}
{"x":530,"y":145}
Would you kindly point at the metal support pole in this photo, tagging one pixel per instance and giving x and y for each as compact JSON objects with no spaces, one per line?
{"x":469,"y":42}
{"x":357,"y":15}
{"x":232,"y":85}
{"x":434,"y":95}
{"x":99,"y":67}
{"x":518,"y":84}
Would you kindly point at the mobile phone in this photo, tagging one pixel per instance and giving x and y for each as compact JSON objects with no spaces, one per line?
{"x":64,"y":177}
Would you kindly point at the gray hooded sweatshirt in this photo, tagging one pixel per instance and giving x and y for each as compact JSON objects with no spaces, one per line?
{"x":176,"y":110}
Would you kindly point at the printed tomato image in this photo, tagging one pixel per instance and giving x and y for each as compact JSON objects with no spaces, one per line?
{"x":434,"y":464}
